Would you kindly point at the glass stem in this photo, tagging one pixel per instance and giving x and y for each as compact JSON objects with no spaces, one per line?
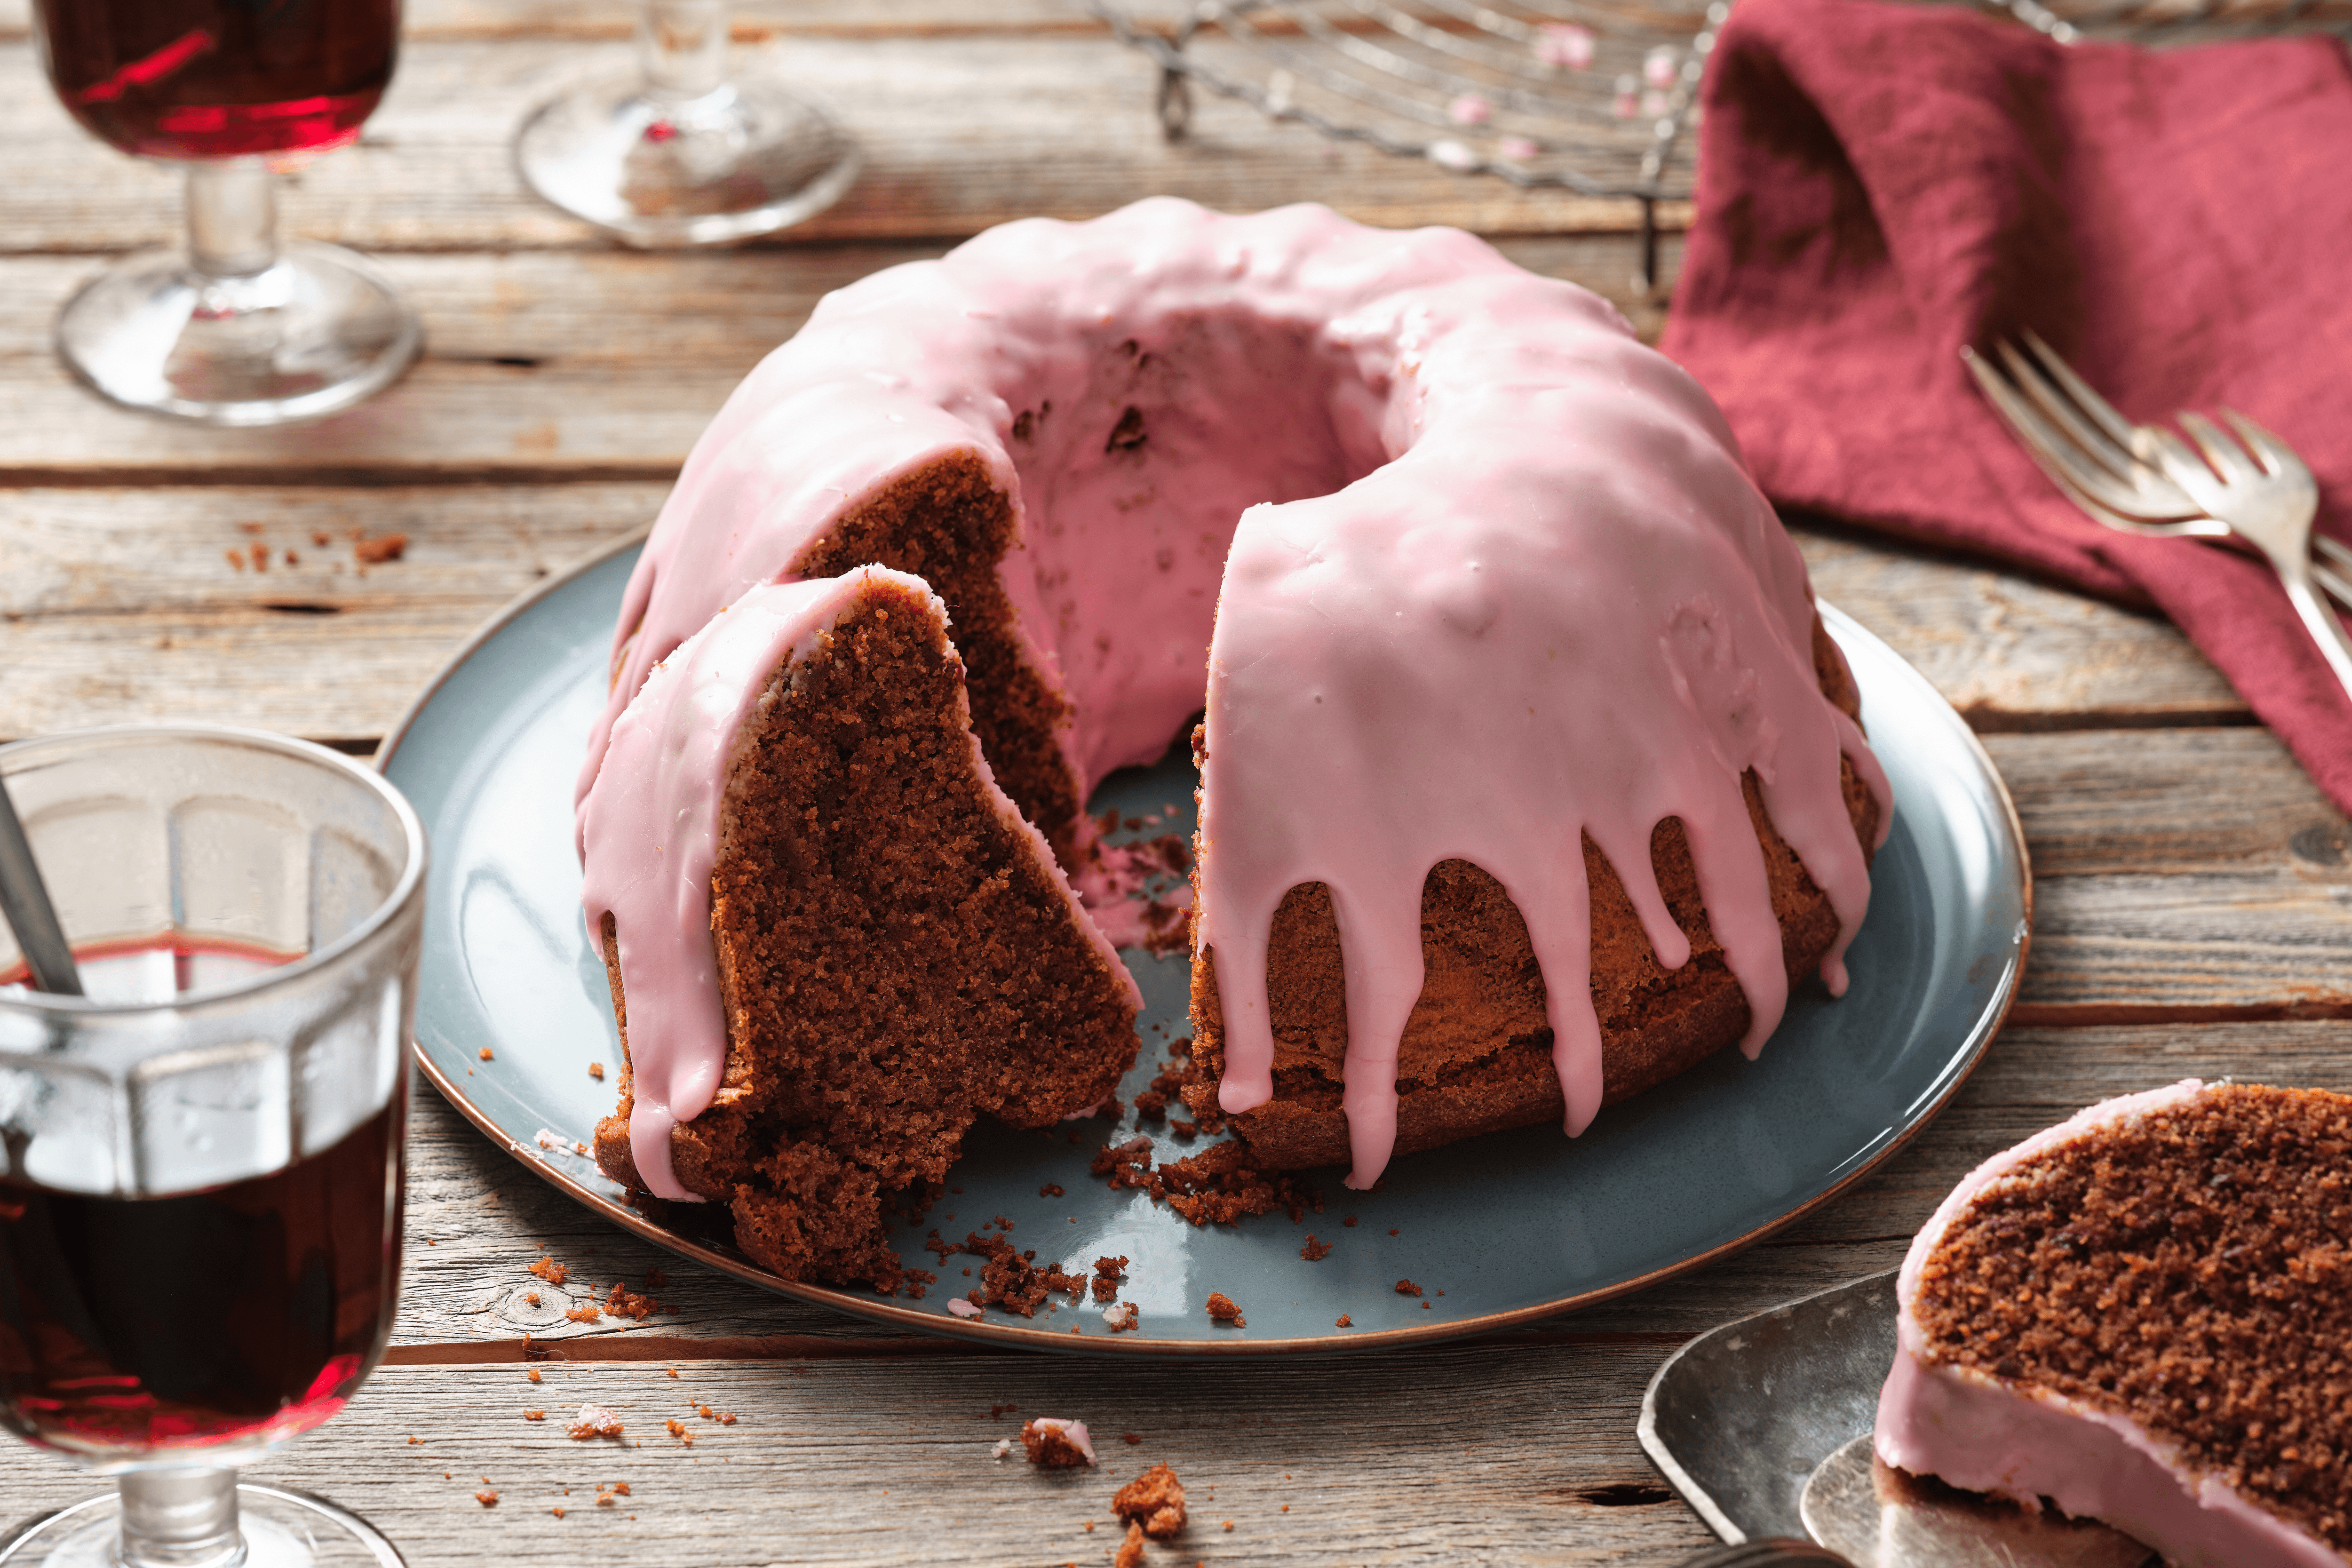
{"x":180,"y":1519}
{"x":682,"y":48}
{"x":232,"y":217}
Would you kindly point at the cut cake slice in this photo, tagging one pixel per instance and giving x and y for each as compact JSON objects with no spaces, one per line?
{"x":896,"y":954}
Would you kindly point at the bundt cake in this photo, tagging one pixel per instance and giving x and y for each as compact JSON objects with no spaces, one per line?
{"x":2144,"y":1315}
{"x":1529,"y":777}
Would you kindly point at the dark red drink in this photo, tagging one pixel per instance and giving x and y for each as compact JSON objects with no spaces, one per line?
{"x":220,"y":79}
{"x":239,"y":1315}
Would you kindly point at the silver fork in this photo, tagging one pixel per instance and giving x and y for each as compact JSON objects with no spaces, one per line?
{"x":2268,"y":498}
{"x":2111,"y":469}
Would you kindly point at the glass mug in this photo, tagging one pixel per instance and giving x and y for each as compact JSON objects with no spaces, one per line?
{"x":200,"y":1204}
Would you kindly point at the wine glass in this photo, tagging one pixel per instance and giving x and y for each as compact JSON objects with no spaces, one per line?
{"x":238,"y":328}
{"x":675,"y":153}
{"x":200,"y":1204}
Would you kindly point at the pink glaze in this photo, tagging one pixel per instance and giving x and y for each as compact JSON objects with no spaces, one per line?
{"x":650,"y":827}
{"x":1494,"y":576}
{"x":1981,"y":1433}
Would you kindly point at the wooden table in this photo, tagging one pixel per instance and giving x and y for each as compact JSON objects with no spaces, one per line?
{"x":2193,"y":884}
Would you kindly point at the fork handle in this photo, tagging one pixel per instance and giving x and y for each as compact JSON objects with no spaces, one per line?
{"x":2319,"y":621}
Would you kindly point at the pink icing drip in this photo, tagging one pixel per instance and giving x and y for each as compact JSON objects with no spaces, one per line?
{"x":1498,"y":579}
{"x":1981,"y":1433}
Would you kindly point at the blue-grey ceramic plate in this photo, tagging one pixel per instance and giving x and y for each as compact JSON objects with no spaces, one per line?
{"x":1494,"y":1230}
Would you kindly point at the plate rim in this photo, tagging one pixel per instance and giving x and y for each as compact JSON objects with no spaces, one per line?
{"x":891,"y":1312}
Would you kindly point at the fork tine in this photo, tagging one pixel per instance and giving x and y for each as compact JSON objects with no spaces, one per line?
{"x":2221,"y":452}
{"x":2274,"y":454}
{"x":2121,"y":430}
{"x":2050,"y":450}
{"x":2173,"y":455}
{"x":2143,"y":491}
{"x":2031,"y":380}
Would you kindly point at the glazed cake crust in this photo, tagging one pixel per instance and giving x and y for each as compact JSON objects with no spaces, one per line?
{"x":1476,"y":1054}
{"x":2147,"y":1315}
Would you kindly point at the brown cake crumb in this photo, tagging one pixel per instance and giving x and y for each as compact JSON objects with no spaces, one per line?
{"x":996,"y":1410}
{"x":1151,"y":1106}
{"x":1130,"y":1551}
{"x":1217,"y":1186}
{"x":556,"y":1512}
{"x":487,"y":1498}
{"x":1222,"y":1309}
{"x":596,"y":1071}
{"x":1407,"y":1288}
{"x":2188,"y":1268}
{"x":1050,"y":1190}
{"x":587,"y":1314}
{"x":1350,"y":1222}
{"x":1131,"y":1438}
{"x":1008,"y":1278}
{"x":1154,"y":1500}
{"x":383,"y":547}
{"x":534,"y":1414}
{"x":624,"y":1302}
{"x":555,"y":1273}
{"x":1126,"y":1165}
{"x":1344,"y":1321}
{"x":1053,"y":1447}
{"x":1121,"y":1317}
{"x":484,"y":1053}
{"x":1314,"y":1251}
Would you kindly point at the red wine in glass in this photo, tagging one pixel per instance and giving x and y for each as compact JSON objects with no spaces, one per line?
{"x":241,"y":1315}
{"x":220,"y":79}
{"x":235,"y":1315}
{"x":236,"y":328}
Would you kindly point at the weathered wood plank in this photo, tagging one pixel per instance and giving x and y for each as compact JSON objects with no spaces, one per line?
{"x":572,"y":365}
{"x":120,"y":605}
{"x":2011,"y":652}
{"x":958,"y":132}
{"x":1507,"y":1454}
{"x":489,"y":1219}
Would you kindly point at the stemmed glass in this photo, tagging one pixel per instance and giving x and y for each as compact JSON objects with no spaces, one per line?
{"x":238,"y":328}
{"x":676,"y":152}
{"x":200,"y":1206}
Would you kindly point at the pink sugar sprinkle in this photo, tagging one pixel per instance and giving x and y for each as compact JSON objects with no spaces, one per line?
{"x":1658,"y":66}
{"x":1517,"y":149}
{"x":962,"y":1308}
{"x":1470,"y":109}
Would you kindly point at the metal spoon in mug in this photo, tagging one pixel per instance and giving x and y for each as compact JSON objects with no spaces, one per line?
{"x":25,"y":902}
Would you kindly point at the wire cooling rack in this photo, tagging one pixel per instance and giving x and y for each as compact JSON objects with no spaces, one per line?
{"x":1598,"y":97}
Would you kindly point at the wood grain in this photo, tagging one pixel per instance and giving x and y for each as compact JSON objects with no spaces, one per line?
{"x":1518,"y":1453}
{"x":433,"y":170}
{"x":601,"y":365}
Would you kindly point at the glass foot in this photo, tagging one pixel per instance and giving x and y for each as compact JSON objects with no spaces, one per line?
{"x":281,"y":1529}
{"x":748,"y":158}
{"x":310,"y":335}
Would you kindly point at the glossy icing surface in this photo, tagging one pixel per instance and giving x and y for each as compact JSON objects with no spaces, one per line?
{"x":1477,"y":574}
{"x":1981,"y":1433}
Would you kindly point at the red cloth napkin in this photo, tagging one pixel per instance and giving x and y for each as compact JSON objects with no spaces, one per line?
{"x":1880,"y":185}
